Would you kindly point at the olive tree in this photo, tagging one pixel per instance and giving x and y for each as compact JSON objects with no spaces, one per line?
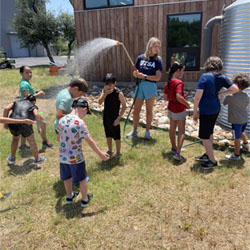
{"x":34,"y":25}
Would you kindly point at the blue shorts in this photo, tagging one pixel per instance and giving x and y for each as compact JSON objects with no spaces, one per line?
{"x":76,"y":171}
{"x":146,"y":90}
{"x":238,"y":129}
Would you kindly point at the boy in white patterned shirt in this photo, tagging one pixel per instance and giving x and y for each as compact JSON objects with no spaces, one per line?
{"x":72,"y":130}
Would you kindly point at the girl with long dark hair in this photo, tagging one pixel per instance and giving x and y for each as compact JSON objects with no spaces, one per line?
{"x":177,"y":104}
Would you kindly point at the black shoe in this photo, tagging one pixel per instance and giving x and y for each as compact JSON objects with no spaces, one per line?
{"x":202,"y":158}
{"x":209,"y":165}
{"x":70,"y":200}
{"x":47,"y":144}
{"x":85,"y":203}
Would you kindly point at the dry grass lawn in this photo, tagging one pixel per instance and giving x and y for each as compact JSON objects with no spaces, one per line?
{"x":144,"y":201}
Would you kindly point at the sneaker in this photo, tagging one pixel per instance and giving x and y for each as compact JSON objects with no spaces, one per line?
{"x":177,"y":157}
{"x":70,"y":200}
{"x":39,"y":160}
{"x":209,"y":165}
{"x":147,"y":135}
{"x":245,"y":146}
{"x":131,"y":134}
{"x":117,"y":156}
{"x":85,"y":203}
{"x":11,"y":160}
{"x":233,"y":157}
{"x":47,"y":144}
{"x":24,"y":147}
{"x":202,"y":158}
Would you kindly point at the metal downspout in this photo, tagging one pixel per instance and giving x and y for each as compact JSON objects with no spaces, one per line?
{"x":208,"y":31}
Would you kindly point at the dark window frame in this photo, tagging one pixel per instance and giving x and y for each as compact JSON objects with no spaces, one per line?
{"x":194,"y":50}
{"x":107,"y":7}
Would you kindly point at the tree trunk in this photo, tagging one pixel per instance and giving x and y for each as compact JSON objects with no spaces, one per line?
{"x":70,"y":48}
{"x":48,"y":52}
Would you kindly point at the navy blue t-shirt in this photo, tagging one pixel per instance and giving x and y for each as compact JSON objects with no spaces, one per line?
{"x":148,"y":67}
{"x":211,"y":84}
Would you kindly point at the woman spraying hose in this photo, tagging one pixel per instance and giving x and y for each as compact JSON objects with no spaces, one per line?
{"x":149,"y":72}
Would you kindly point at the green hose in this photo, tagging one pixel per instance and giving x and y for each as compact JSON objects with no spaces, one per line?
{"x":125,"y":124}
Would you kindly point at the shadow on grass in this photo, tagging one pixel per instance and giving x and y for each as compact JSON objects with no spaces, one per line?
{"x":110,"y":164}
{"x":232,"y":163}
{"x":141,"y":140}
{"x":197,"y":169}
{"x":24,"y":153}
{"x":169,"y":156}
{"x":26,"y":168}
{"x":73,"y":210}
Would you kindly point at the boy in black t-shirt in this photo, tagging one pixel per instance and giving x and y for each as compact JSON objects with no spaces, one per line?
{"x":23,"y":109}
{"x":112,"y":98}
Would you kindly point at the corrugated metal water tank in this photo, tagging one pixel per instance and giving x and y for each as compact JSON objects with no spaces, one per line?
{"x":235,"y":47}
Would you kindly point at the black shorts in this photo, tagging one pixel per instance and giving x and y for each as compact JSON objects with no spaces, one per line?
{"x":24,"y":130}
{"x":207,"y":123}
{"x":111,"y":130}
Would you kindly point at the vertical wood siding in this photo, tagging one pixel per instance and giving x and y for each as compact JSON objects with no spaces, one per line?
{"x":134,"y":26}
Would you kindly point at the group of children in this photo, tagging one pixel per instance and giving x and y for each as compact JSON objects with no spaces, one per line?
{"x":207,"y":99}
{"x":71,"y":129}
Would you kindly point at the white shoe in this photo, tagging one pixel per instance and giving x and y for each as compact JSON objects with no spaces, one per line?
{"x":131,"y":134}
{"x":233,"y":157}
{"x":39,"y":160}
{"x":11,"y":160}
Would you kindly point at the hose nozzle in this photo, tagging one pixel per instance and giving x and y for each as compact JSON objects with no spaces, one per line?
{"x":118,"y":43}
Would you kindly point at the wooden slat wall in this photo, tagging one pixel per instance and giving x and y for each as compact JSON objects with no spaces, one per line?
{"x":134,"y":26}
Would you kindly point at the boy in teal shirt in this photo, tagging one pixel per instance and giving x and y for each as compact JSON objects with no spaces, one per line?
{"x":64,"y":99}
{"x":27,"y":89}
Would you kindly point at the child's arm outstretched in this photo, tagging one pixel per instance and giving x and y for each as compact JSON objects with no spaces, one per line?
{"x":37,"y":94}
{"x":233,"y":89}
{"x":7,"y":120}
{"x":124,"y":106}
{"x":93,"y":145}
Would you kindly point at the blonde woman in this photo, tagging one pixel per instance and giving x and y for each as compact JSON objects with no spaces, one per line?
{"x":149,"y":71}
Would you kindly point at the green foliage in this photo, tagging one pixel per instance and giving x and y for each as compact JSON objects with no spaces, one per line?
{"x":34,"y":25}
{"x":59,"y":47}
{"x":67,"y":30}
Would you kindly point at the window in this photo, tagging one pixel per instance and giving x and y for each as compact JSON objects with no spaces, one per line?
{"x":98,"y":4}
{"x":184,"y":40}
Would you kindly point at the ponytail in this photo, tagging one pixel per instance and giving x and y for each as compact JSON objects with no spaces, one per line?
{"x":174,"y":67}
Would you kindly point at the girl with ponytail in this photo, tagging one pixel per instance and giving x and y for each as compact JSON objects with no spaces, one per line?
{"x":177,"y":104}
